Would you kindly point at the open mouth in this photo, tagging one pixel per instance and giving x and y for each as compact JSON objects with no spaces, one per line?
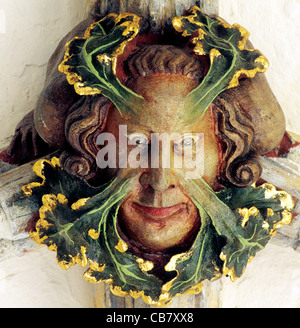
{"x":158,"y":213}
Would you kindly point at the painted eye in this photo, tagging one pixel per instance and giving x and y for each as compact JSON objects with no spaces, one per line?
{"x":138,"y":139}
{"x":187,"y":141}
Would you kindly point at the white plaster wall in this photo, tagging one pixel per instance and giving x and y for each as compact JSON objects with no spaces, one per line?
{"x":274,"y":26}
{"x":35,"y":280}
{"x":32,"y":29}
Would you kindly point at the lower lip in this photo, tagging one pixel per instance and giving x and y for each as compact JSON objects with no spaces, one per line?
{"x":159,"y":212}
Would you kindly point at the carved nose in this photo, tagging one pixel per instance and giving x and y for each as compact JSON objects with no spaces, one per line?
{"x":159,"y":179}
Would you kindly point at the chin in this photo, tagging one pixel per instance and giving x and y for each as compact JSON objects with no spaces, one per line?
{"x":158,"y":231}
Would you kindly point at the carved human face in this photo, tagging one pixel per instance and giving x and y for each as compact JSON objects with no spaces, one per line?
{"x":155,"y":231}
{"x":158,"y":214}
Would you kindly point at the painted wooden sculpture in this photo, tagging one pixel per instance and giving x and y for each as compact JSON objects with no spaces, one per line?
{"x":108,"y":201}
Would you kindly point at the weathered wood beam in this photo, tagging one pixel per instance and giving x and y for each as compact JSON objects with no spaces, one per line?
{"x":15,"y":211}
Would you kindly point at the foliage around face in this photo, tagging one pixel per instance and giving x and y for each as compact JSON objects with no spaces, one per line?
{"x":229,"y":60}
{"x":79,"y":223}
{"x":90,"y":62}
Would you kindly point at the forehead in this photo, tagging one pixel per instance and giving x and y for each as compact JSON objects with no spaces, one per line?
{"x":163,"y":109}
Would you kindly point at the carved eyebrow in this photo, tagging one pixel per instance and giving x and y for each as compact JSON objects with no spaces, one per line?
{"x":137,"y":128}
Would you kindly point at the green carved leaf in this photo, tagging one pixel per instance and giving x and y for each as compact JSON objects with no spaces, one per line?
{"x":122,"y":267}
{"x":260,"y":212}
{"x":85,"y":231}
{"x":250,"y":240}
{"x":90,"y":62}
{"x":225,"y":44}
{"x":202,"y":262}
{"x":247,"y":218}
{"x":235,"y":224}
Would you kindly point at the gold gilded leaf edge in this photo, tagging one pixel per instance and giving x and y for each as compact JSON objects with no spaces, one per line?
{"x":287,"y":204}
{"x":75,"y":79}
{"x":262,"y":60}
{"x":50,"y":202}
{"x":38,"y":168}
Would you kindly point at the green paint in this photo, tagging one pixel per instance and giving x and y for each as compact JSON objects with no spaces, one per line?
{"x":106,"y":37}
{"x":223,"y":68}
{"x":220,"y":232}
{"x":99,"y":75}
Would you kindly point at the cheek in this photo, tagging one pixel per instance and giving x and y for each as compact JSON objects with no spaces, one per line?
{"x":202,"y":162}
{"x":211,"y":159}
{"x":211,"y":153}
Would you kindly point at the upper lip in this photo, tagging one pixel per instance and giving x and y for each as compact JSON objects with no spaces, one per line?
{"x":159,"y":212}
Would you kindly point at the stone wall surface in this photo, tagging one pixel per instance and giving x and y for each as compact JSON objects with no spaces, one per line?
{"x":32,"y":30}
{"x":274,"y":30}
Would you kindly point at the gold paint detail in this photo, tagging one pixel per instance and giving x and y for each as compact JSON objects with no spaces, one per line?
{"x":171,"y":266}
{"x":96,"y":266}
{"x":49,"y":204}
{"x":74,"y":78}
{"x":286,"y":202}
{"x":117,"y":290}
{"x":197,"y":289}
{"x":178,"y":26}
{"x":224,"y":23}
{"x":244,"y":33}
{"x":79,"y":204}
{"x":226,"y":271}
{"x":249,"y":73}
{"x":94,"y":234}
{"x":165,"y":299}
{"x":122,"y":246}
{"x":145,"y":266}
{"x":88,"y":276}
{"x":38,"y":169}
{"x":246,"y":213}
{"x":231,"y":272}
{"x":214,"y":53}
{"x":265,"y":225}
{"x":286,"y":218}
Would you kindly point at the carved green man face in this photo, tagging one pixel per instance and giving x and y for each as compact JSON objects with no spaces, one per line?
{"x":178,"y":143}
{"x":158,"y":215}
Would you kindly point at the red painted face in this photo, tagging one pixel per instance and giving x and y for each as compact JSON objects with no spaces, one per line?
{"x":157,"y":213}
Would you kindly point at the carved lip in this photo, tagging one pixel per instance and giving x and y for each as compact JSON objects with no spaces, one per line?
{"x":158,"y":213}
